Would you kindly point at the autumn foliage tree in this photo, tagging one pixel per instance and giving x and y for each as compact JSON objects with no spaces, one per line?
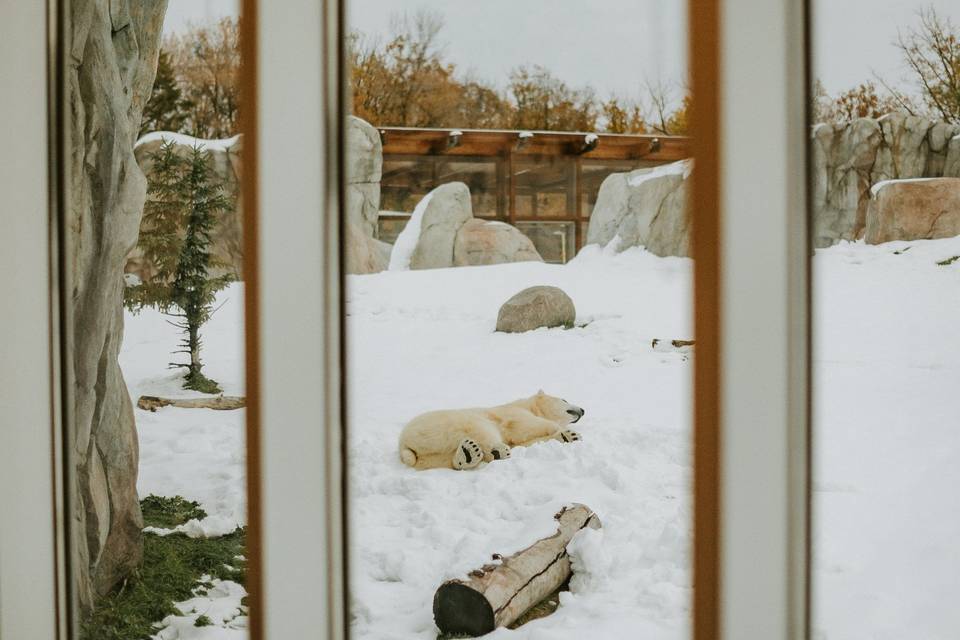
{"x":197,"y":90}
{"x":406,"y":80}
{"x":862,"y":101}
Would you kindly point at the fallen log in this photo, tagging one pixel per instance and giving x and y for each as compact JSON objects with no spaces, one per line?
{"x":220,"y":403}
{"x":497,"y":594}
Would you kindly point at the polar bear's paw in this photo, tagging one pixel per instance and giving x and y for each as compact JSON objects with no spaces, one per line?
{"x":569,"y":436}
{"x":500,"y":451}
{"x":468,"y":455}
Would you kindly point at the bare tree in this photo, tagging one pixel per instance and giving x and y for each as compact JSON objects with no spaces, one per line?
{"x":932,"y":53}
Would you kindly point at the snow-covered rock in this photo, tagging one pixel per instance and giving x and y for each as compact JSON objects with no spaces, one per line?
{"x":915,"y":209}
{"x":449,"y":209}
{"x":536,"y":308}
{"x":647,"y":208}
{"x":492,"y":242}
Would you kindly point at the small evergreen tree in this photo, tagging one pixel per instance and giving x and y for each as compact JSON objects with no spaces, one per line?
{"x":161,"y":231}
{"x":165,"y":111}
{"x":193,"y":291}
{"x":184,"y":205}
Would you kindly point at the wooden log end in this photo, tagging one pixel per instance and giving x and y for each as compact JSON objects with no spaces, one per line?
{"x":458,"y":609}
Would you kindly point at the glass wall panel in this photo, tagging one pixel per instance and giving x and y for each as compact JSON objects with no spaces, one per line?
{"x":155,"y":273}
{"x":479,"y":424}
{"x":886,"y":219}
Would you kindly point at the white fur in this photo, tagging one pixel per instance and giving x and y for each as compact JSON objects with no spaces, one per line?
{"x":432,"y":440}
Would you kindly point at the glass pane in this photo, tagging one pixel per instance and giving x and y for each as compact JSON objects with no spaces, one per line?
{"x":886,"y":216}
{"x":509,"y":157}
{"x":156,"y":269}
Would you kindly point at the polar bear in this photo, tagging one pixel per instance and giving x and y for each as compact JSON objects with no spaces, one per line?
{"x":463,"y":438}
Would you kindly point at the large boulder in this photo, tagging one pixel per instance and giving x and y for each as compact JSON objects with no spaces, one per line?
{"x":110,"y":71}
{"x":226,"y":163}
{"x":647,"y":208}
{"x":364,"y":167}
{"x":535,"y":308}
{"x":364,"y":254}
{"x":914,"y":210}
{"x":481,"y":242}
{"x":436,"y":222}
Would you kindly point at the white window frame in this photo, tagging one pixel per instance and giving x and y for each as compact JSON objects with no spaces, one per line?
{"x":31,"y":526}
{"x":764,"y":320}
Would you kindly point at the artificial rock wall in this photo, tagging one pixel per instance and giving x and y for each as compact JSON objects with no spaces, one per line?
{"x":112,"y":62}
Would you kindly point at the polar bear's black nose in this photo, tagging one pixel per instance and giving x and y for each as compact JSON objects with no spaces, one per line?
{"x":576,"y":412}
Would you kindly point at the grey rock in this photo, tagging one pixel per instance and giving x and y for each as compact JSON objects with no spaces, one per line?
{"x":534,"y":308}
{"x":951,"y":165}
{"x":111,"y":67}
{"x":449,"y":209}
{"x":364,"y":168}
{"x":480,"y":242}
{"x":647,"y":208}
{"x":364,"y":254}
{"x":843,"y":158}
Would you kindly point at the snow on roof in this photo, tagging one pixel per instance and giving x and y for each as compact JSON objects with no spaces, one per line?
{"x":184,"y":139}
{"x":875,"y":189}
{"x":682,"y":167}
{"x":406,"y":242}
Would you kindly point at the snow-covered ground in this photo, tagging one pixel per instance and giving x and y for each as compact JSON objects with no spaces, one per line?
{"x":198,"y":454}
{"x":423,"y":340}
{"x":886,"y":440}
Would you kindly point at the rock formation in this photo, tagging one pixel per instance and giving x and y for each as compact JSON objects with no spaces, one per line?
{"x":112,"y":62}
{"x":922,"y":209}
{"x":364,"y":160}
{"x":442,"y":232}
{"x":848,"y":159}
{"x":448,"y":209}
{"x":364,"y":254}
{"x":647,"y":208}
{"x":226,"y":163}
{"x":535,"y":308}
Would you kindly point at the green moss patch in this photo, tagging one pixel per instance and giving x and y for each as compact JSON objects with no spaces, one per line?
{"x":948,"y":261}
{"x":171,"y":571}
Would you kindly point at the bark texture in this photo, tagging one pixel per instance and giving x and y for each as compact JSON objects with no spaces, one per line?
{"x":497,"y":594}
{"x":112,"y":63}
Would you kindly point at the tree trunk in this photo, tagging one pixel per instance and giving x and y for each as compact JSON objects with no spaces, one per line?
{"x":220,"y":403}
{"x":193,"y":341}
{"x":497,"y":594}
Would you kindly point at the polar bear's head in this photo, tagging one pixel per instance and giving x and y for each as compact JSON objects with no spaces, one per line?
{"x":556,"y":409}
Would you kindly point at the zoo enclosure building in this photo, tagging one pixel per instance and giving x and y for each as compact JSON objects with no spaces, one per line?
{"x":544,"y":183}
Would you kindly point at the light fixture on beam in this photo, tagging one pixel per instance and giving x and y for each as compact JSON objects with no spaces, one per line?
{"x":654,"y":145}
{"x":383,"y":136}
{"x":453,"y":139}
{"x":523,"y":139}
{"x":590,"y":142}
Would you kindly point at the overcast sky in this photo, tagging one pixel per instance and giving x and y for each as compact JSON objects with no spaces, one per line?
{"x":615,"y":45}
